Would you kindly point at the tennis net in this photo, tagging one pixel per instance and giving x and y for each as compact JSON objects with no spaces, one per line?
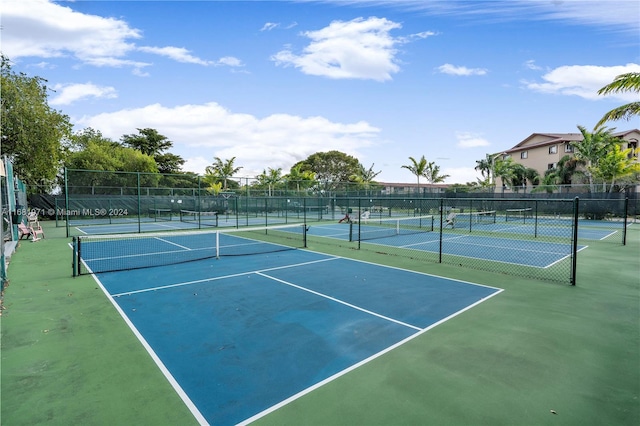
{"x":108,"y":253}
{"x":475,"y":218}
{"x":388,"y":227}
{"x":520,"y":215}
{"x":160,"y":214}
{"x":200,"y":218}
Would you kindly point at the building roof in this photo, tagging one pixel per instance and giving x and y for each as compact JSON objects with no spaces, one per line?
{"x":414,"y":185}
{"x":554,"y":138}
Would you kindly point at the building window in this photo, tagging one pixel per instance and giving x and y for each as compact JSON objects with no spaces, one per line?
{"x":568,"y":147}
{"x":553,"y":149}
{"x":633,"y":144}
{"x":524,"y":154}
{"x":551,"y":166}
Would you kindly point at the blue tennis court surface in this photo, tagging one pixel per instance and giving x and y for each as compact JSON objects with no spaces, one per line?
{"x":133,"y":226}
{"x":237,"y":336}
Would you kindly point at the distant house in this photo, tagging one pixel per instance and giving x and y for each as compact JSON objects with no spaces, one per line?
{"x":412,"y":188}
{"x":542,"y":151}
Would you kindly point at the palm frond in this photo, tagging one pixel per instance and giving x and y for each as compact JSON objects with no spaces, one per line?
{"x":629,"y":82}
{"x":624,"y":112}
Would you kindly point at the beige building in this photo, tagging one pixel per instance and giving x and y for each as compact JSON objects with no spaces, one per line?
{"x":542,"y":151}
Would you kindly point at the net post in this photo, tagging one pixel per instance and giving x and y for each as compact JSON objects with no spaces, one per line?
{"x":535,"y":220}
{"x":574,"y":242}
{"x":359,"y":222}
{"x":305,"y":228}
{"x":441,"y":222}
{"x":138,"y":190}
{"x":74,"y":257}
{"x":66,"y":200}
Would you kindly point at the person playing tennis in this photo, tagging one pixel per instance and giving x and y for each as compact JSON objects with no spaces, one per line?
{"x":346,"y":217}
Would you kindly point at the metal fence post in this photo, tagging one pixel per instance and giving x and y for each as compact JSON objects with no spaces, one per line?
{"x":574,"y":260}
{"x":624,"y":222}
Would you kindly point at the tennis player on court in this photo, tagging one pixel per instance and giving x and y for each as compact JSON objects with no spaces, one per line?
{"x":346,"y":217}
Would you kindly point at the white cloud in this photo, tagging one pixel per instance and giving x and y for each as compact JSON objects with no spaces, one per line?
{"x":531,"y":64}
{"x":229,"y":61}
{"x":70,"y":93}
{"x":461,"y":175}
{"x":359,"y":49}
{"x":44,"y":29}
{"x":583,"y":81}
{"x":470,"y":140}
{"x":615,"y":15}
{"x":40,"y":28}
{"x":178,"y":54}
{"x":461,"y":70}
{"x":269,"y":26}
{"x":202,"y":132}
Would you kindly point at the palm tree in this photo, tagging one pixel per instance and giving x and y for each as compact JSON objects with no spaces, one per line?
{"x":562,"y":174}
{"x":432,"y":173}
{"x":417,"y":167}
{"x":592,"y":148}
{"x":629,"y":82}
{"x":222,"y":170}
{"x":364,"y":177}
{"x":485,"y":167}
{"x":270,"y":178}
{"x":616,"y":165}
{"x":297,"y":175}
{"x":516,"y":178}
{"x":503,"y":169}
{"x":531,"y":176}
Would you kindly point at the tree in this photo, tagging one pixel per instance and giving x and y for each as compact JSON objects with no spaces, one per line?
{"x":617,"y":164}
{"x":629,"y":82}
{"x":521,"y":175}
{"x":211,"y":184}
{"x":150,"y":142}
{"x":561,"y":174}
{"x":364,"y":177}
{"x":222,"y":170}
{"x":417,"y":167}
{"x":33,"y":134}
{"x":331,"y":167}
{"x":503,"y":169}
{"x":432,"y":173}
{"x":592,"y":148}
{"x":102,"y":158}
{"x":270,"y":179}
{"x":298,"y":178}
{"x":427,"y":169}
{"x":485,"y":167}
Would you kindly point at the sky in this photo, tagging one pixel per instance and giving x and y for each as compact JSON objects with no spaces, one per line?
{"x":273,"y":82}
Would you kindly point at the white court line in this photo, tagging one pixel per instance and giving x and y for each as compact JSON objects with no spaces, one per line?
{"x":165,"y":371}
{"x":364,"y":361}
{"x":342,"y":302}
{"x":175,"y":244}
{"x":204,"y":280}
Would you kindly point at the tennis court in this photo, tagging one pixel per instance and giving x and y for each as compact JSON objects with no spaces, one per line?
{"x":181,"y":220}
{"x":238,"y":336}
{"x":420,"y":234}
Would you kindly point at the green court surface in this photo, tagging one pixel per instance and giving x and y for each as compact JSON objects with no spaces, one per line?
{"x":539,"y":353}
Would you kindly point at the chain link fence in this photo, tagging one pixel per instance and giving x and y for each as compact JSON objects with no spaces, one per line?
{"x":534,"y":235}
